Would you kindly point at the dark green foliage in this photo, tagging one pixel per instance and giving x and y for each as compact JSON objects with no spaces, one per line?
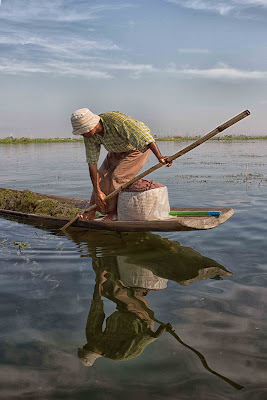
{"x":30,"y":202}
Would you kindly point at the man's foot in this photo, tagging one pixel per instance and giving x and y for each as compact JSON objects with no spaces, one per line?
{"x":111,"y":216}
{"x":87,"y":216}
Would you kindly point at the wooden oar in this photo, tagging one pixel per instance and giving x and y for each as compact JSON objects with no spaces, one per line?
{"x":198,"y":142}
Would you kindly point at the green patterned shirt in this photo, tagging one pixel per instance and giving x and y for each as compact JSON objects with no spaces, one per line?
{"x":121,"y":134}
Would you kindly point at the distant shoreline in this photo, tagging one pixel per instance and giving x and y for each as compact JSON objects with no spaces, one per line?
{"x":24,"y":140}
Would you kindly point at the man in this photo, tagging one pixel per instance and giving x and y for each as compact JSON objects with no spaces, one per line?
{"x":128,"y":143}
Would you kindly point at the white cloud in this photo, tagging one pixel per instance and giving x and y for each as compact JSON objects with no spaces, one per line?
{"x":222,"y":7}
{"x":64,"y":45}
{"x":39,"y":37}
{"x":89,"y":69}
{"x":53,"y":68}
{"x":135,"y":70}
{"x":94,"y":69}
{"x":56,"y":10}
{"x":221,"y":72}
{"x":62,"y":48}
{"x":194,"y":51}
{"x":252,"y":2}
{"x":62,"y":55}
{"x":128,"y":67}
{"x":24,"y":53}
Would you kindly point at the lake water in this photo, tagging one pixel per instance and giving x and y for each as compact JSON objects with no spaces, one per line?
{"x":209,"y":285}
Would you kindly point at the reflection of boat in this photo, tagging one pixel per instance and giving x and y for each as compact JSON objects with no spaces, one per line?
{"x":164,"y":258}
{"x":174,"y":223}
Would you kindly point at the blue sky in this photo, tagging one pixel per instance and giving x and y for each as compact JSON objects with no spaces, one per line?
{"x":180,"y":66}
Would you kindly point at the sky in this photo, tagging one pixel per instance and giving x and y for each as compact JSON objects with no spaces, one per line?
{"x":181,"y":66}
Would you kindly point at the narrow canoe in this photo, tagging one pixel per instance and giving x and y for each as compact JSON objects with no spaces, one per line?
{"x":174,"y":223}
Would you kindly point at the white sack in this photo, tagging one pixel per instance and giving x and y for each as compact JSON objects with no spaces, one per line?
{"x":149,"y":205}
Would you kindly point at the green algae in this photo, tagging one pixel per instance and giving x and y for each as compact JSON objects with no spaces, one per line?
{"x":29,"y":202}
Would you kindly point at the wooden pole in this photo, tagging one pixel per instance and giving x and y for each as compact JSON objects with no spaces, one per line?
{"x":198,"y":142}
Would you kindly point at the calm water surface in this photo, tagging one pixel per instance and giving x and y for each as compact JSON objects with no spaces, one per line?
{"x":210,"y":285}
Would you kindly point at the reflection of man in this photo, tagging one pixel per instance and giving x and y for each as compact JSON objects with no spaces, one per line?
{"x":129,"y":329}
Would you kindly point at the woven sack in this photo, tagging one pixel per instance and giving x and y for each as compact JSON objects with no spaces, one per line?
{"x":144,"y":206}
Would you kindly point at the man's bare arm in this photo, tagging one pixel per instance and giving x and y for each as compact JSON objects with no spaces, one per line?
{"x":99,"y":195}
{"x":153,"y":146}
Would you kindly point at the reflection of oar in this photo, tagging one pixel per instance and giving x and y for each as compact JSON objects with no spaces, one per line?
{"x":174,"y":157}
{"x":201,"y":357}
{"x":171,"y":331}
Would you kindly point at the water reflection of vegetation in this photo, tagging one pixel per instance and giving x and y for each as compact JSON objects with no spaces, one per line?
{"x":127,"y":267}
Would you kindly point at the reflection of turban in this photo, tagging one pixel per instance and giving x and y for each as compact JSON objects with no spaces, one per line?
{"x":83,"y":121}
{"x":132,"y":275}
{"x":88,"y":357}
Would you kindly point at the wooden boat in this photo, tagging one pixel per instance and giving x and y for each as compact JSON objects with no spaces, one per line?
{"x":174,"y":223}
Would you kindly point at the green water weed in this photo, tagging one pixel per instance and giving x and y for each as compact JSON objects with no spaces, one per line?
{"x":30,"y":202}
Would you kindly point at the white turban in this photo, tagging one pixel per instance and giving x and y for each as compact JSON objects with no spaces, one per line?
{"x":83,"y":121}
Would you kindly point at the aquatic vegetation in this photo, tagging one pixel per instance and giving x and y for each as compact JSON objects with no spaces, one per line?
{"x":19,"y":245}
{"x":25,"y":140}
{"x":30,"y":202}
{"x":218,"y":138}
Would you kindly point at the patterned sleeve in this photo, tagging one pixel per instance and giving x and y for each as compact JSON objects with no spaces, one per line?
{"x":95,"y":318}
{"x":138,"y":134}
{"x":92,"y":150}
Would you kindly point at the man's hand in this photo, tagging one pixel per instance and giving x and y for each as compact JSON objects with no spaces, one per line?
{"x":164,"y":160}
{"x":100,"y":200}
{"x":162,"y":328}
{"x":168,"y":327}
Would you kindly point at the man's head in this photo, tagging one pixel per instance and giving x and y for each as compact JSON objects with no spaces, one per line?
{"x":88,"y":357}
{"x":84,"y":122}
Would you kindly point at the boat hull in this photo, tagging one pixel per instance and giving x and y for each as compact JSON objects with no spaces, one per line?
{"x":174,"y":223}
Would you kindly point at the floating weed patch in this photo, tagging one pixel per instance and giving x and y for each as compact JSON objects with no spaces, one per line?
{"x":250,"y":179}
{"x":193,"y":178}
{"x":19,"y":245}
{"x":212,"y":163}
{"x":33,"y":203}
{"x":249,"y":176}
